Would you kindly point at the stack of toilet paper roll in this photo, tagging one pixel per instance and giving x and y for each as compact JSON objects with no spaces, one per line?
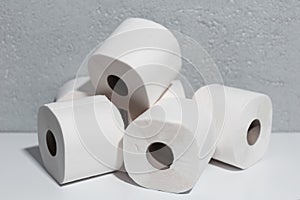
{"x":164,"y":140}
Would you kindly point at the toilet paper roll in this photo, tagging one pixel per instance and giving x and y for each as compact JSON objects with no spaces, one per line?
{"x":135,"y":65}
{"x":81,"y":138}
{"x":244,"y":121}
{"x":163,"y":146}
{"x":75,"y":89}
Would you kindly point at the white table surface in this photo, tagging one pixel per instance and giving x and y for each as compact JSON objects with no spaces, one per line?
{"x":277,"y":176}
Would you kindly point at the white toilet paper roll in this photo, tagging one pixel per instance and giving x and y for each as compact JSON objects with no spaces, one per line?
{"x":75,"y":89}
{"x":80,"y":138}
{"x":135,"y":64}
{"x":244,"y":121}
{"x":162,"y":147}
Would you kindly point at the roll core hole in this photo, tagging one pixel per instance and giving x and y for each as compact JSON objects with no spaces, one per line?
{"x":160,"y":156}
{"x":253,"y":132}
{"x":117,"y":85}
{"x":51,"y":143}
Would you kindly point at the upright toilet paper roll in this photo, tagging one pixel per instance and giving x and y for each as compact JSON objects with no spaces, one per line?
{"x":75,"y":89}
{"x":80,"y":138}
{"x":244,"y":121}
{"x":163,"y":146}
{"x":135,"y":65}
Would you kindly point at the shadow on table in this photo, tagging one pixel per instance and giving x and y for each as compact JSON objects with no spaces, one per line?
{"x":35,"y":155}
{"x":225,"y":166}
{"x":123,"y":175}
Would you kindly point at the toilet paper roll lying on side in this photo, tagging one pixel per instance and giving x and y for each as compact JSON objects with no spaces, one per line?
{"x":244,"y":123}
{"x":135,"y":65}
{"x":163,"y":146}
{"x":80,"y":138}
{"x":75,"y":89}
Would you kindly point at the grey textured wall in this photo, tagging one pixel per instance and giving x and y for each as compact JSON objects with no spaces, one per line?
{"x":42,"y":43}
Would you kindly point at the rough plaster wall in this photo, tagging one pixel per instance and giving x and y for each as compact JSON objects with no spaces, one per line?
{"x":42,"y":43}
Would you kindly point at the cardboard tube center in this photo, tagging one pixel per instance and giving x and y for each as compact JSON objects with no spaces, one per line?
{"x":160,"y":155}
{"x":51,"y":143}
{"x":117,"y":85}
{"x":253,"y":132}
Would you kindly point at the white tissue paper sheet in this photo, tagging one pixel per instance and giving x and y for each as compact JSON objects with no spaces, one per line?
{"x":243,"y":120}
{"x":163,"y":146}
{"x":135,"y":65}
{"x":80,"y":138}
